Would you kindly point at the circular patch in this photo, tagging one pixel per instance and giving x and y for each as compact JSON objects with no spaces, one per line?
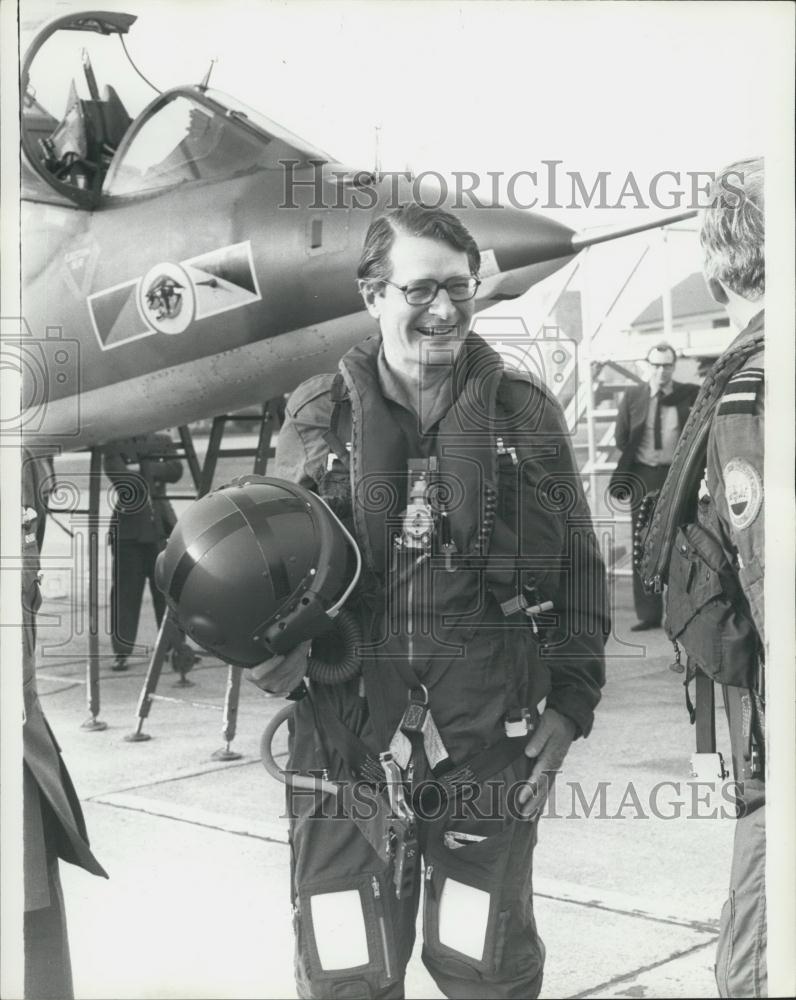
{"x":166,"y":298}
{"x":743,"y":490}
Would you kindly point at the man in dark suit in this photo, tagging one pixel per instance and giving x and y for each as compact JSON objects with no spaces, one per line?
{"x":53,"y":825}
{"x":139,"y":468}
{"x":650,"y":419}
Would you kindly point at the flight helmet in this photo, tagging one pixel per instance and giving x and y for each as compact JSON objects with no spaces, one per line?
{"x":255,"y":568}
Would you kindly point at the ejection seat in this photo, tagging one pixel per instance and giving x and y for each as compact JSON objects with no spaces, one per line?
{"x":81,"y":147}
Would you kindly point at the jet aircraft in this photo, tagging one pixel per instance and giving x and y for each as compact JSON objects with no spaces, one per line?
{"x":195,"y":259}
{"x":198,"y":258}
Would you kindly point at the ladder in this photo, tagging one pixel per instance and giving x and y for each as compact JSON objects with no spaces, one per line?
{"x":589,"y":374}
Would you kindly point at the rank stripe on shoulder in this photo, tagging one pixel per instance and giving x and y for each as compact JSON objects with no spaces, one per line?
{"x":727,"y":407}
{"x":742,"y":392}
{"x":737,"y":397}
{"x":743,"y":385}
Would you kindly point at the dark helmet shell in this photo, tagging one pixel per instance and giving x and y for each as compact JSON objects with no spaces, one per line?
{"x":251,"y":569}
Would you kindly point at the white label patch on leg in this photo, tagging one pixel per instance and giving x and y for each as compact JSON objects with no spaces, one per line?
{"x":743,"y":489}
{"x":463,"y":918}
{"x":339,"y":926}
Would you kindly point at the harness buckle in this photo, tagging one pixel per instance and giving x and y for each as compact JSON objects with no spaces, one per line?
{"x":511,"y":451}
{"x":415,"y":713}
{"x":518,"y":722}
{"x":399,"y":807}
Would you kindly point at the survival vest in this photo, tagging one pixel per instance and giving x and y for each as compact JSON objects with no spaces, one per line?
{"x":679,"y":544}
{"x":496,"y":451}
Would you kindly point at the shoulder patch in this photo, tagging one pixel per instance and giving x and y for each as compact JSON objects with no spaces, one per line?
{"x":743,"y":490}
{"x":313,"y":388}
{"x":742,"y":392}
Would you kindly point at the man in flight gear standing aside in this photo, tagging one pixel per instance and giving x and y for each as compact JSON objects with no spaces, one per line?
{"x":733,"y":238}
{"x":706,"y":539}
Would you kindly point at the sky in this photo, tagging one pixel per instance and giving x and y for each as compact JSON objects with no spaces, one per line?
{"x":497,"y":86}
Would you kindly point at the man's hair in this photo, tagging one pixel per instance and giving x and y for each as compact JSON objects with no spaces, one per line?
{"x":413,"y":220}
{"x":663,"y":346}
{"x":732,"y":231}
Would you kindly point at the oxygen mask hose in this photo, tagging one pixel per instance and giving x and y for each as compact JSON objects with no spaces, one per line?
{"x":286,"y":777}
{"x":333,"y":656}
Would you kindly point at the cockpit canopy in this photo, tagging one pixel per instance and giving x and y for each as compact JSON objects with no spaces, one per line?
{"x":81,"y":143}
{"x":194,"y":134}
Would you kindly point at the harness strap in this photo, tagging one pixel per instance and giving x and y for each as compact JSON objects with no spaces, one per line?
{"x":364,"y":764}
{"x":475,"y":771}
{"x":705,"y":696}
{"x":745,"y":716}
{"x":338,"y":395}
{"x":359,"y":759}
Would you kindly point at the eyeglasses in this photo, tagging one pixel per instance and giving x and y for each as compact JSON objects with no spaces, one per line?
{"x":423,"y":293}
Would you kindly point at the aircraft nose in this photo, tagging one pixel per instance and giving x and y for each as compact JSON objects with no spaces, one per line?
{"x":508,"y":237}
{"x":518,"y":249}
{"x":518,"y":239}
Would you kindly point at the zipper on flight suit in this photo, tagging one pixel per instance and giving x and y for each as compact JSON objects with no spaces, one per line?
{"x":377,"y":900}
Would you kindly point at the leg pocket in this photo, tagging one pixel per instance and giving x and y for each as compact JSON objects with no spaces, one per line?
{"x":345,"y":935}
{"x":462,"y":907}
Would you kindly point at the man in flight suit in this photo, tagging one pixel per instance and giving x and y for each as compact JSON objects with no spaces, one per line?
{"x":139,"y":468}
{"x":651,"y":418}
{"x":732,"y":234}
{"x":482,"y":594}
{"x":53,"y":825}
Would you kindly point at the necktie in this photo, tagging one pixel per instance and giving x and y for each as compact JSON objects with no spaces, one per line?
{"x":656,"y":426}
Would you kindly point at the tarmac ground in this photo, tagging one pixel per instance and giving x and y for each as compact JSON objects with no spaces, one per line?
{"x":630,"y":872}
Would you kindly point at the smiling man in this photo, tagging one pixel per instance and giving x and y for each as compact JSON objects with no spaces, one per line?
{"x":481,"y":597}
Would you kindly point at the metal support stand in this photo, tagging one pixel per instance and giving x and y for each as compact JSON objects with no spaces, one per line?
{"x":93,"y":724}
{"x":190,"y":456}
{"x":270,"y":421}
{"x":168,"y":632}
{"x":231,"y":699}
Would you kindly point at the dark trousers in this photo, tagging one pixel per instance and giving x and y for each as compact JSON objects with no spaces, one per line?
{"x":649,"y":607}
{"x":48,"y":969}
{"x":133,"y":566}
{"x":354,"y":937}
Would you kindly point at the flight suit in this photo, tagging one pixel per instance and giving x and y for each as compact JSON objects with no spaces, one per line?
{"x":141,"y":524}
{"x":53,"y":825}
{"x":516,"y":516}
{"x":735,"y":482}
